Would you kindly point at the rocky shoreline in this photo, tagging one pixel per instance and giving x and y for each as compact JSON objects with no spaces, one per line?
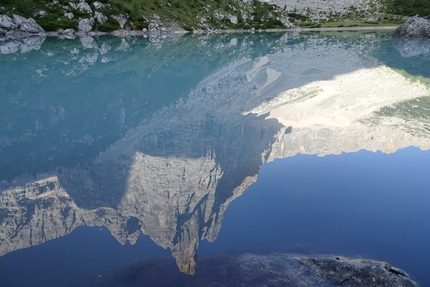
{"x":19,"y":27}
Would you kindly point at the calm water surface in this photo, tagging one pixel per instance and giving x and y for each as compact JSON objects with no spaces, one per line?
{"x":115,"y":150}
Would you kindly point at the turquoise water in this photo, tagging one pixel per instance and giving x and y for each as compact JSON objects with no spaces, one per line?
{"x":117,"y":150}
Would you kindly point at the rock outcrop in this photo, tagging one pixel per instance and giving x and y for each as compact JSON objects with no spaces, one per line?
{"x":414,"y":27}
{"x":19,"y":27}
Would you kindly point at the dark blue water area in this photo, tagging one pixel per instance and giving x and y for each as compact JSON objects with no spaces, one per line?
{"x":361,"y":205}
{"x":79,"y":258}
{"x":364,"y":205}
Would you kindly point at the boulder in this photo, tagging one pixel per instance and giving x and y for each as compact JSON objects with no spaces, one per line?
{"x":27,"y":25}
{"x":7,"y":22}
{"x":86,"y":25}
{"x":121,"y":18}
{"x":98,"y":5}
{"x":73,"y":5}
{"x":84,"y":7}
{"x":100,"y":17}
{"x":414,"y":27}
{"x":69,"y":15}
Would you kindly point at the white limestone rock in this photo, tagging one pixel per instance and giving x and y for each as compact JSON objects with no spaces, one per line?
{"x":121,"y":18}
{"x":7,"y":22}
{"x":27,"y":25}
{"x":86,"y":24}
{"x":102,"y":19}
{"x":233,"y":20}
{"x":69,"y":15}
{"x":99,"y":5}
{"x":84,"y":7}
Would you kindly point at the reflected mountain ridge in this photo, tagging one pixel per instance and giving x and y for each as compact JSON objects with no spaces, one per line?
{"x":172,"y":176}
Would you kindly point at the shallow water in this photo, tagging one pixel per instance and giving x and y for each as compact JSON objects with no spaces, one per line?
{"x":310,"y":143}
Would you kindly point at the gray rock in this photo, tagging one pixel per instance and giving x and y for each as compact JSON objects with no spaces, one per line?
{"x":7,"y":22}
{"x":98,"y":5}
{"x":84,"y":7}
{"x":100,"y":17}
{"x":27,"y":25}
{"x":73,"y":5}
{"x":69,"y":15}
{"x":121,"y":18}
{"x":86,"y":25}
{"x":414,"y":27}
{"x":233,"y":20}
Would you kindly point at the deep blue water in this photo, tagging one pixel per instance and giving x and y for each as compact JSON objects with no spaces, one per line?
{"x":102,"y":142}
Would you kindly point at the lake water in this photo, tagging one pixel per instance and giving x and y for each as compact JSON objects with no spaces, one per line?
{"x":115,"y":150}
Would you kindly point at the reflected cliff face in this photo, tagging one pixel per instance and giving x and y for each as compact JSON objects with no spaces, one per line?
{"x":161,"y":138}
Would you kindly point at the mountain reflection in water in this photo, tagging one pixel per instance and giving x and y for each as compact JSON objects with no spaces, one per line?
{"x":160,"y":138}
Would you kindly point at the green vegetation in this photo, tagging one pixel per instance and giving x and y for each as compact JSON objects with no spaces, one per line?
{"x":409,"y":7}
{"x":391,"y":22}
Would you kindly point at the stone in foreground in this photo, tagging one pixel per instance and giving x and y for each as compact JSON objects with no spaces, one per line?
{"x":414,"y":27}
{"x":277,"y":269}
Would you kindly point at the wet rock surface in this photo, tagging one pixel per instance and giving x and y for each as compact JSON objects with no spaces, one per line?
{"x":278,"y":269}
{"x":414,"y":27}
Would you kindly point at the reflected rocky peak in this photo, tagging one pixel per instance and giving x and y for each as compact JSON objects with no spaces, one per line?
{"x":413,"y":47}
{"x":172,"y":176}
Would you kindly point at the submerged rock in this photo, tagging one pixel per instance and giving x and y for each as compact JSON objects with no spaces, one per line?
{"x":414,"y":27}
{"x":278,"y":269}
